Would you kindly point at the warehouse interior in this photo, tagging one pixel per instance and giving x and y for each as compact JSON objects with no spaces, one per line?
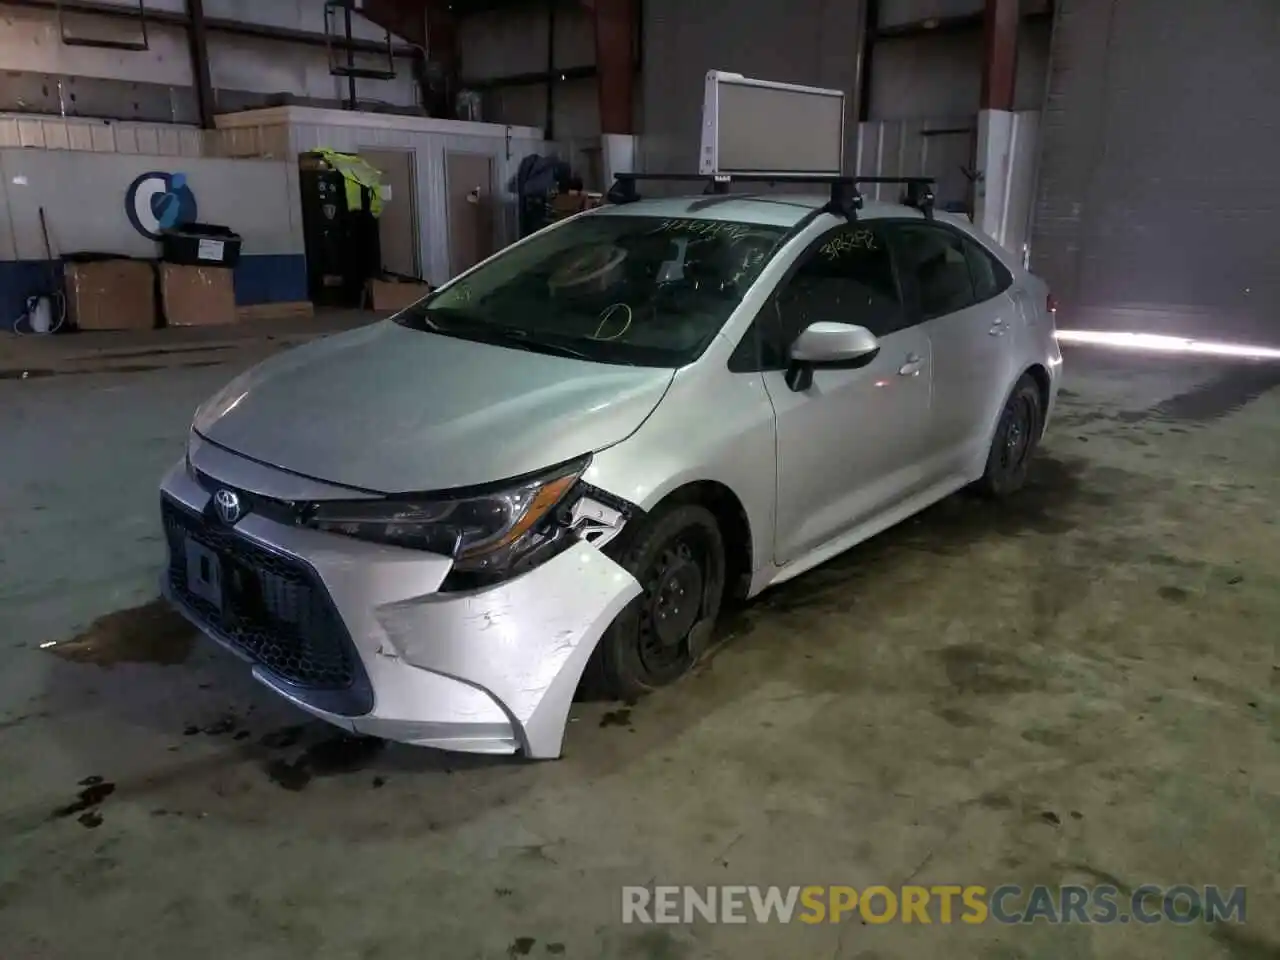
{"x":1099,"y":92}
{"x":1075,"y":691}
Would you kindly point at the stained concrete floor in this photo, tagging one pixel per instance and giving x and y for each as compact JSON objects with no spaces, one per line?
{"x":1078,"y":686}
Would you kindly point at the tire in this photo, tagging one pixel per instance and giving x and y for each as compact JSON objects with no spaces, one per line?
{"x":658,"y":636}
{"x":1016,"y":438}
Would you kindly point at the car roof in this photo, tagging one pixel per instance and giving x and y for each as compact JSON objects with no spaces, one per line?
{"x":775,"y":209}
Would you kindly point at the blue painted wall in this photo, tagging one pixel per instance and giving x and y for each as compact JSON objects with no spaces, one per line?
{"x":20,"y":279}
{"x":271,"y":278}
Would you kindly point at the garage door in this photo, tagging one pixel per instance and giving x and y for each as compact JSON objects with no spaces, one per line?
{"x":1158,"y":200}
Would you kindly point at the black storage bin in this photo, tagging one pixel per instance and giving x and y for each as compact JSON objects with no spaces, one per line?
{"x":201,"y":245}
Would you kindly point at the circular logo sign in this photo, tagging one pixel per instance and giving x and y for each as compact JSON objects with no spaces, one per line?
{"x":157,"y":200}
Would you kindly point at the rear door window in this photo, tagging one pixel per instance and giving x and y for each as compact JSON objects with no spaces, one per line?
{"x":990,"y":277}
{"x":935,"y":260}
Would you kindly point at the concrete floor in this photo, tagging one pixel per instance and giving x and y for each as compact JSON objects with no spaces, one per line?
{"x":1079,"y":685}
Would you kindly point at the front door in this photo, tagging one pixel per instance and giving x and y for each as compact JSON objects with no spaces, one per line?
{"x":397,"y":227}
{"x":469,"y":183}
{"x":849,"y":446}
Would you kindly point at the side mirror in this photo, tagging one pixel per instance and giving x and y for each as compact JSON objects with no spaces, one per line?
{"x":825,"y":343}
{"x":829,"y":344}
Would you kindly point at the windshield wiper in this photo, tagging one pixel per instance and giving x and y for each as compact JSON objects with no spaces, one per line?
{"x":418,"y":318}
{"x":514,"y":337}
{"x":466,"y":325}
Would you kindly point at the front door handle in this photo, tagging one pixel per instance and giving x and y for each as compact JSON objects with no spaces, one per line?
{"x":912,"y":366}
{"x":998,"y":329}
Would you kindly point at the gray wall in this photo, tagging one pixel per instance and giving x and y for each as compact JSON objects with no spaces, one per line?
{"x":513,"y":41}
{"x":44,"y":75}
{"x":917,"y":78}
{"x":934,"y":77}
{"x":800,"y":41}
{"x":1156,"y":207}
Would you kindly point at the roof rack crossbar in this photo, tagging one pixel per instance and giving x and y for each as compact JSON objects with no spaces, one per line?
{"x":919,"y":192}
{"x":845,"y":199}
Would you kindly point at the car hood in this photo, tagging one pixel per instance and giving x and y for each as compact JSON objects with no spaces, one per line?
{"x":392,"y":410}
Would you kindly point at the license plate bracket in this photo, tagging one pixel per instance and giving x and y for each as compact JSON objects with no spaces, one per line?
{"x":204,"y":573}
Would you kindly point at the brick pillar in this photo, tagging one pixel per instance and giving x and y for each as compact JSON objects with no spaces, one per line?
{"x":1000,"y":54}
{"x":615,"y":68}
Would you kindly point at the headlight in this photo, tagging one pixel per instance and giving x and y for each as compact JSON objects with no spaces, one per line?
{"x":488,"y":534}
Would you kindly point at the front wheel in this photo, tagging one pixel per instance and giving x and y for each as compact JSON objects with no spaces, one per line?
{"x":1017,"y":436}
{"x":677,"y":556}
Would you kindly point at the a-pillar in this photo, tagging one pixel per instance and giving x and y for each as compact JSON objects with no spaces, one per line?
{"x":996,"y":118}
{"x":615,"y":35}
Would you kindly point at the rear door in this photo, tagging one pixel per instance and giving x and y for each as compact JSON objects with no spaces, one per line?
{"x":960,"y":293}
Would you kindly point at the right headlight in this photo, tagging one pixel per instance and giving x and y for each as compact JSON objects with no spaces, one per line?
{"x":489,"y":535}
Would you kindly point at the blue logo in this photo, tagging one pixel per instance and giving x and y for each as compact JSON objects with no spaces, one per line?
{"x":157,"y":200}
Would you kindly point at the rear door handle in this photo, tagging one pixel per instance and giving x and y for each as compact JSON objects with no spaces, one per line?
{"x":998,"y":329}
{"x":913,"y":366}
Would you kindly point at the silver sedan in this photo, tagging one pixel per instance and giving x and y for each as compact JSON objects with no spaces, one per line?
{"x":552,"y":472}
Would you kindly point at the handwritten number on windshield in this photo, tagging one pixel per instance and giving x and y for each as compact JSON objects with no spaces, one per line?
{"x":848,"y":241}
{"x":705,"y":229}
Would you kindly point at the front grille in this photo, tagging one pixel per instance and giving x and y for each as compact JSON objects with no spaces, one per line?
{"x":274,"y":608}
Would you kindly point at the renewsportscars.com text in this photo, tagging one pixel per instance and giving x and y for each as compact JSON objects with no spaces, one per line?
{"x":938,"y":904}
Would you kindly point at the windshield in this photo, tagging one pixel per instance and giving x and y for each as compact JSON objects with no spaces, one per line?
{"x":646,"y":291}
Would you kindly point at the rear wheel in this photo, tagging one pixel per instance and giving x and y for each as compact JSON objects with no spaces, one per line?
{"x":1017,"y":436}
{"x":677,"y":556}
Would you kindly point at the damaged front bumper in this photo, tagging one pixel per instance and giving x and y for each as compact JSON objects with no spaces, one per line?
{"x":492,"y":670}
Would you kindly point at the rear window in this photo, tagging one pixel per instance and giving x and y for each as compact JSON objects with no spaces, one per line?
{"x":935,"y":258}
{"x":990,"y":277}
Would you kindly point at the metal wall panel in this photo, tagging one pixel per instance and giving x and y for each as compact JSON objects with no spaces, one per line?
{"x":802,"y":41}
{"x":72,"y":133}
{"x":917,"y":148}
{"x":510,"y":41}
{"x":1157,"y":198}
{"x":45,"y":75}
{"x":940,"y":75}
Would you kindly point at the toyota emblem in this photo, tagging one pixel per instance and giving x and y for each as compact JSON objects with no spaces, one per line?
{"x":227,"y":503}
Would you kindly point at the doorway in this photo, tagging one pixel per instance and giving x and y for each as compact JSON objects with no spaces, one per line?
{"x":468,"y":181}
{"x":951,"y":159}
{"x":398,"y":225}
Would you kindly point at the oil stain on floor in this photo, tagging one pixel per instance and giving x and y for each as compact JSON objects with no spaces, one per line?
{"x":329,"y":757}
{"x":151,"y":633}
{"x":95,"y":790}
{"x":1227,"y":393}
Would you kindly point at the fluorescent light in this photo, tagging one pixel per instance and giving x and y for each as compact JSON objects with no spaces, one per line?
{"x":1156,"y":343}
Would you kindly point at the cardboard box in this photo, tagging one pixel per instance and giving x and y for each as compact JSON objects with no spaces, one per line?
{"x":111,"y":295}
{"x":196,"y":296}
{"x":395,"y":294}
{"x":567,"y":204}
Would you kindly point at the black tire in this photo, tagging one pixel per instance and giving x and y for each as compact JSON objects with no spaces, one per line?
{"x":677,"y":555}
{"x":1016,"y":438}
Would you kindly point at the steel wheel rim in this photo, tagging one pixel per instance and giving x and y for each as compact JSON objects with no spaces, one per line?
{"x":1016,"y":434}
{"x":672,"y":601}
